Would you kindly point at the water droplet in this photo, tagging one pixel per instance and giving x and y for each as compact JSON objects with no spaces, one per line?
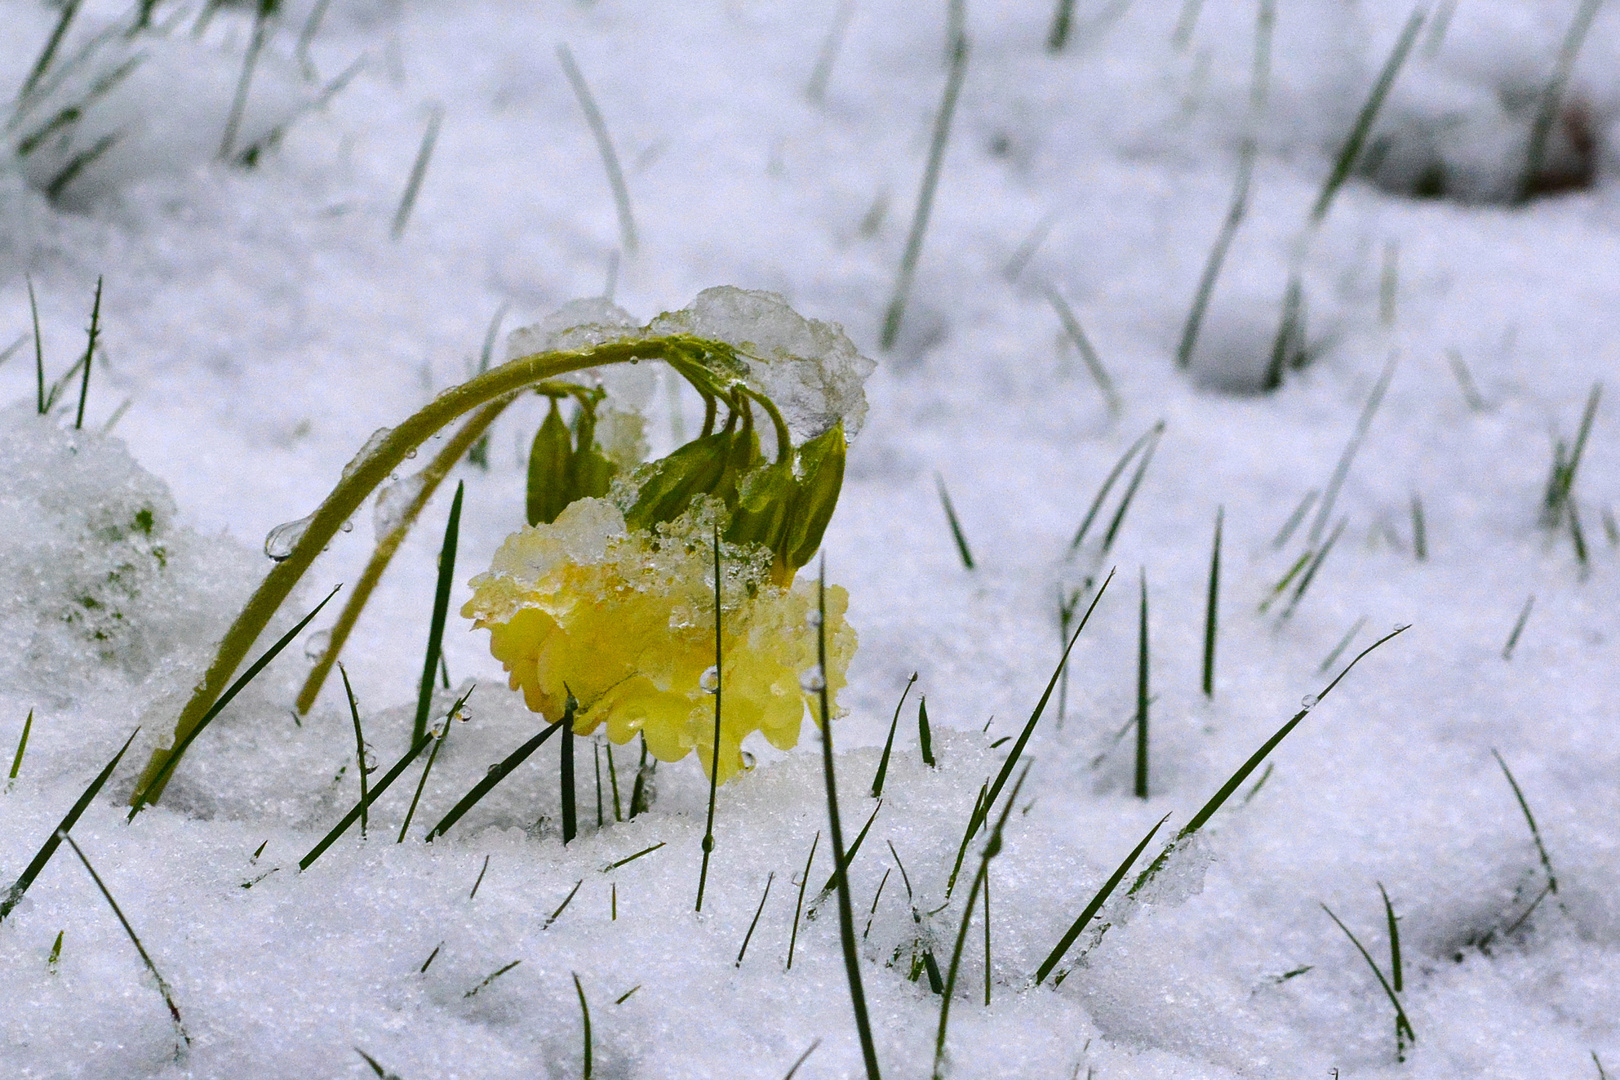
{"x":438,"y":729}
{"x":411,"y":453}
{"x":348,"y":526}
{"x":376,"y":440}
{"x":371,"y":759}
{"x":709,"y":681}
{"x":749,"y":761}
{"x":280,"y":541}
{"x":1309,"y":701}
{"x":495,"y":769}
{"x":813,"y":681}
{"x":813,"y":619}
{"x":316,"y":644}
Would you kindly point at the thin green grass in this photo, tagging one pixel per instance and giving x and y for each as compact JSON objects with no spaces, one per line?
{"x":755,"y":922}
{"x":1186,"y":23}
{"x":816,"y":89}
{"x":585,"y":1025}
{"x":419,"y":168}
{"x":793,"y":1070}
{"x":146,"y":958}
{"x":1026,"y":251}
{"x":1109,"y":481}
{"x":567,"y":795}
{"x":922,"y":951}
{"x":871,"y":913}
{"x":1577,"y":536}
{"x":1310,"y":571}
{"x":975,"y":817}
{"x":1235,"y":213}
{"x":1258,"y":784}
{"x":1357,"y":139}
{"x":1294,"y":520}
{"x":1089,"y":912}
{"x":1552,"y":96}
{"x":1561,"y":483}
{"x":441,"y":610}
{"x":39,"y":347}
{"x":604,"y":147}
{"x":427,"y":770}
{"x":925,"y":734}
{"x":54,"y":841}
{"x":804,"y":880}
{"x":846,"y":916}
{"x":1067,"y":606}
{"x":1324,"y":511}
{"x":492,"y":976}
{"x":632,"y":858}
{"x":1530,"y":819}
{"x":55,"y":958}
{"x":1140,"y":786}
{"x":717,"y":691}
{"x":377,"y":1066}
{"x":22,"y":748}
{"x":1212,"y":605}
{"x":1389,"y":282}
{"x":168,"y":759}
{"x":261,"y":33}
{"x":306,"y":35}
{"x":1288,"y":348}
{"x":562,"y":907}
{"x":613,"y":781}
{"x":1420,"y":530}
{"x":1438,"y":25}
{"x":497,"y":772}
{"x":1131,"y":489}
{"x":89,"y":355}
{"x":1082,"y":344}
{"x":962,"y":548}
{"x":1394,"y":939}
{"x":479,"y":880}
{"x":372,"y":796}
{"x":1465,"y":382}
{"x":1518,"y":627}
{"x":896,"y":310}
{"x":888,"y":744}
{"x":849,"y":857}
{"x":76,"y":165}
{"x":48,"y":53}
{"x":359,"y":750}
{"x":1058,"y":35}
{"x":1404,"y":1035}
{"x":1344,"y":643}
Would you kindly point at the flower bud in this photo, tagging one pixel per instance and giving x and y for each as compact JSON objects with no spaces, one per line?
{"x":550,"y":459}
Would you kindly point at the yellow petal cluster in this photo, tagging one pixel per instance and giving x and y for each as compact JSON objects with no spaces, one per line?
{"x":624,"y":619}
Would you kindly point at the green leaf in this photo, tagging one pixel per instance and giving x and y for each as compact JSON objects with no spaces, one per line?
{"x":549,"y":461}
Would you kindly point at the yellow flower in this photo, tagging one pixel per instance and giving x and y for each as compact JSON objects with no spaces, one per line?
{"x":624,"y":620}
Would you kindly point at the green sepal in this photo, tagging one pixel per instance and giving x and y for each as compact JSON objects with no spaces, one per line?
{"x":668,"y":485}
{"x":550,"y":462}
{"x":765,"y":498}
{"x":821,"y":478}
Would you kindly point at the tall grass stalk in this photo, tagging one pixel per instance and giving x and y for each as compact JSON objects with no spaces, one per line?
{"x":427,"y":770}
{"x":1562,"y":481}
{"x":804,"y":1057}
{"x":925,"y":734}
{"x":585,"y":1025}
{"x":1235,"y":213}
{"x":1082,"y":344}
{"x":419,"y":168}
{"x":1089,"y":912}
{"x":1404,"y":1034}
{"x":1530,"y":819}
{"x":1212,"y":605}
{"x":359,"y":750}
{"x":22,"y":748}
{"x":956,"y":526}
{"x":816,"y":88}
{"x":89,"y":355}
{"x":146,"y":958}
{"x":714,"y":760}
{"x":1131,"y":490}
{"x":755,"y":922}
{"x":604,"y":147}
{"x":925,"y":195}
{"x":1351,"y":150}
{"x":1394,"y":939}
{"x":1552,"y":96}
{"x":1141,"y":784}
{"x":1109,"y":481}
{"x":1316,"y":564}
{"x":498,"y":772}
{"x":804,"y":880}
{"x":479,"y":880}
{"x":266,"y":9}
{"x":613,"y":780}
{"x":849,"y":856}
{"x":39,"y":347}
{"x":567,"y":795}
{"x":441,"y":610}
{"x":888,"y":744}
{"x":1294,"y":519}
{"x":1186,"y":23}
{"x":63,"y":827}
{"x":1324,"y":510}
{"x":846,"y":915}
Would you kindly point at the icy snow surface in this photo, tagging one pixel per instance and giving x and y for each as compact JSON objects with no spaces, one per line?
{"x":260,"y":323}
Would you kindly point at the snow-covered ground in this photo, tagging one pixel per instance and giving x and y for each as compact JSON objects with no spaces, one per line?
{"x":258,"y":323}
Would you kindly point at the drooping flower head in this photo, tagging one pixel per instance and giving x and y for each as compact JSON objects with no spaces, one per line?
{"x":609,"y":593}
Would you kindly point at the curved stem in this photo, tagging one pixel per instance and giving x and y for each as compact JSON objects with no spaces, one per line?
{"x":784,"y":442}
{"x":432,"y":477}
{"x":364,"y":475}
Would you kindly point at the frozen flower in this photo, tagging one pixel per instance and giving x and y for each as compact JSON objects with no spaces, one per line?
{"x":623,"y":618}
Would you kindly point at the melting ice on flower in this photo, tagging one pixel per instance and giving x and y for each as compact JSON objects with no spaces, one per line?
{"x":613,"y":599}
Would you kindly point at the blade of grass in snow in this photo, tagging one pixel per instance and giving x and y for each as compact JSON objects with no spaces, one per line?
{"x":632,"y":858}
{"x":1518,"y":627}
{"x":1394,"y":939}
{"x":373,"y":795}
{"x":1346,"y":161}
{"x":849,"y":856}
{"x":604,"y":147}
{"x":956,"y":526}
{"x":413,"y":185}
{"x":1535,"y":833}
{"x":1258,"y":784}
{"x":925,"y":195}
{"x":804,"y":1057}
{"x":872,"y":912}
{"x":1287,"y":579}
{"x":168,"y":759}
{"x":920,"y":942}
{"x":846,"y":916}
{"x":1131,"y":489}
{"x":1217,"y":255}
{"x":1331,"y":493}
{"x":888,"y":744}
{"x":61,"y":122}
{"x":1310,"y":571}
{"x":162,"y":983}
{"x":441,"y":609}
{"x":1059,"y":33}
{"x":497,"y":772}
{"x":987,"y":968}
{"x":359,"y":749}
{"x":1465,"y":382}
{"x":39,"y":347}
{"x":1108,"y":482}
{"x":816,"y":88}
{"x":1294,"y":520}
{"x":89,"y":355}
{"x":427,"y":770}
{"x":1552,"y":96}
{"x":11,"y":350}
{"x":306,"y":36}
{"x":1437,"y":28}
{"x":492,"y":976}
{"x":479,"y":880}
{"x":63,"y":827}
{"x":76,"y":166}
{"x":717,"y":690}
{"x":1141,"y":785}
{"x":1389,"y":283}
{"x":54,"y":42}
{"x":596,"y":760}
{"x":1576,"y":536}
{"x":261,"y":33}
{"x":570,"y":806}
{"x":804,"y":880}
{"x":22,"y":748}
{"x":1212,"y":605}
{"x":562,"y":907}
{"x":55,"y":957}
{"x":1403,"y":1026}
{"x":1562,"y":481}
{"x":925,"y":734}
{"x":992,"y":848}
{"x":757,"y":912}
{"x":1420,"y":530}
{"x":585,"y":1023}
{"x":1077,"y":335}
{"x":1288,"y":348}
{"x":1186,"y":22}
{"x":1026,"y":251}
{"x":974,"y":819}
{"x":613,"y":781}
{"x":1079,"y":925}
{"x":376,"y":1066}
{"x":1344,"y":643}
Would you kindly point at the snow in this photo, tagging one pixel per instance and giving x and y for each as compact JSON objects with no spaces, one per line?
{"x":261,"y":323}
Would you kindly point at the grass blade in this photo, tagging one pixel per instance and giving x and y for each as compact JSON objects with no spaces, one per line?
{"x":372,"y":796}
{"x":497,"y":772}
{"x":925,"y":734}
{"x":804,"y":880}
{"x":804,"y":1057}
{"x":441,"y":609}
{"x":1420,"y":530}
{"x":1563,"y":474}
{"x":479,"y":880}
{"x":162,"y":984}
{"x":1077,"y":335}
{"x":39,"y":347}
{"x":227,"y":142}
{"x":1535,"y":833}
{"x":359,"y":749}
{"x":714,"y":761}
{"x":1394,"y":939}
{"x":1108,"y":483}
{"x":757,"y":912}
{"x":570,"y":804}
{"x":89,"y":355}
{"x":604,"y":146}
{"x":1217,"y":255}
{"x":925,"y":194}
{"x":816,"y":88}
{"x":1552,"y":96}
{"x":1403,"y":1026}
{"x":1212,"y":605}
{"x":1324,"y":510}
{"x":1316,"y":564}
{"x":888,"y":744}
{"x":413,"y":185}
{"x":846,"y":915}
{"x":438,"y":744}
{"x":1518,"y":627}
{"x":849,"y":856}
{"x":377,"y":1066}
{"x":54,"y":841}
{"x":1351,"y":150}
{"x":956,"y":526}
{"x":22,"y":748}
{"x":1141,"y":785}
{"x":1079,"y":925}
{"x":492,"y":976}
{"x":562,"y":907}
{"x":168,"y":759}
{"x":54,"y":42}
{"x":1131,"y":489}
{"x":1344,"y":643}
{"x":585,"y":1021}
{"x":632,"y":858}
